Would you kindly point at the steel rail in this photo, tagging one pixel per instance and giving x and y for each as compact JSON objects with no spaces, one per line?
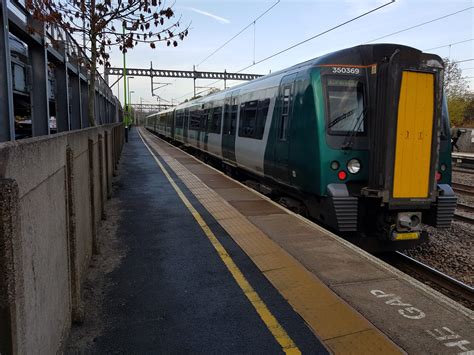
{"x":464,"y":170}
{"x":465,"y":208}
{"x":455,"y":287}
{"x":463,"y":218}
{"x":463,"y":189}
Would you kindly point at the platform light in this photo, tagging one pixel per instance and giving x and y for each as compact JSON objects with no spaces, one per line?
{"x":353,"y":166}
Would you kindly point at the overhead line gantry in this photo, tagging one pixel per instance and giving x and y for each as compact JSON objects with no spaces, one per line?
{"x":183,"y":74}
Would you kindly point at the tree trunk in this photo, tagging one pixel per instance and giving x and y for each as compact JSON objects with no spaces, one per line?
{"x":91,"y":106}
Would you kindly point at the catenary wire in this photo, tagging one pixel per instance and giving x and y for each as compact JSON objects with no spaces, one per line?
{"x":376,"y":39}
{"x":420,"y":24}
{"x":240,"y":32}
{"x":306,"y":40}
{"x":464,"y":60}
{"x":449,"y":45}
{"x":317,"y":35}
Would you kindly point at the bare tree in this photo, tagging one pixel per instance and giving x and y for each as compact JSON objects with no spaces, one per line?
{"x":102,"y":23}
{"x":457,"y":93}
{"x":454,"y":84}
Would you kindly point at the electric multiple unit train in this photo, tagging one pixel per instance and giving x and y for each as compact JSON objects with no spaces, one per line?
{"x":359,"y":137}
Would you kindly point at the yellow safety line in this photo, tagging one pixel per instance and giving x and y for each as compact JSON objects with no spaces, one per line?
{"x":267,"y":317}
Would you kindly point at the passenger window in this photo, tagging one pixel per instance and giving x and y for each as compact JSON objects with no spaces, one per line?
{"x":248,"y":119}
{"x":285,"y":111}
{"x":195,"y":120}
{"x":215,"y":126}
{"x":253,"y":116}
{"x":186,"y":119}
{"x":262,"y":117}
{"x":179,"y":119}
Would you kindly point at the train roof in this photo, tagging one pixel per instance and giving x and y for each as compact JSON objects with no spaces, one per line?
{"x":365,"y":54}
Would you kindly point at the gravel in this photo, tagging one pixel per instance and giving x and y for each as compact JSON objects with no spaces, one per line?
{"x":97,"y":283}
{"x":451,"y":250}
{"x":463,"y":178}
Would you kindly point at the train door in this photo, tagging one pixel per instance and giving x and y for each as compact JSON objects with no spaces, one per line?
{"x":229,"y":125}
{"x":185,"y":125}
{"x":208,"y":114}
{"x":173,"y":123}
{"x":282,"y":139}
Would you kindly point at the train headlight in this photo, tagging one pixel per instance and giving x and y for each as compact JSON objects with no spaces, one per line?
{"x":353,"y":166}
{"x":334,"y":165}
{"x":443,"y":167}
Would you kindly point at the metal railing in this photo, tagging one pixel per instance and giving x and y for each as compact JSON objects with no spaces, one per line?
{"x":54,"y":97}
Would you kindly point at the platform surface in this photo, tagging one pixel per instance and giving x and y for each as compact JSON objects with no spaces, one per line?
{"x":462,"y":155}
{"x":213,"y":266}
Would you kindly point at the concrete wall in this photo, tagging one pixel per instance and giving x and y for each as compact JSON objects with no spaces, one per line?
{"x":52,"y":195}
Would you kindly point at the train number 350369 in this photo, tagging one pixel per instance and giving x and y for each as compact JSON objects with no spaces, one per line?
{"x":343,"y":70}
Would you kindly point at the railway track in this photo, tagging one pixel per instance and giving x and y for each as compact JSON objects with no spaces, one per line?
{"x":445,"y":284}
{"x":464,"y":170}
{"x":464,"y":208}
{"x":463,"y":189}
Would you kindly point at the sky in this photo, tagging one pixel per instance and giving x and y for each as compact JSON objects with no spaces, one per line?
{"x":213,"y":22}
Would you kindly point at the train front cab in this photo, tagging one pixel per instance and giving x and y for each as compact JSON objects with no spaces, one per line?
{"x":396,"y":107}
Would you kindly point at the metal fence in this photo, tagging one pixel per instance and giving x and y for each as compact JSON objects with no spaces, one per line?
{"x":44,"y":79}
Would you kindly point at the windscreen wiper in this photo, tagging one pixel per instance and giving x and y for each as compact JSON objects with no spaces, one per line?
{"x":340,"y":118}
{"x":349,"y":140}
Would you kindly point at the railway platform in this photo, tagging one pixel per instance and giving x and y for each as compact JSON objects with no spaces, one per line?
{"x":212,"y":266}
{"x":463,"y":159}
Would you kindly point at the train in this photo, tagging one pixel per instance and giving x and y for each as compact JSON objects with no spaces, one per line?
{"x":358,"y":140}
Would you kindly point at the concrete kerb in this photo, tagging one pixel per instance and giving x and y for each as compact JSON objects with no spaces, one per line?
{"x":67,"y":163}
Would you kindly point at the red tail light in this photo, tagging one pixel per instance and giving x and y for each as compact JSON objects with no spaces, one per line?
{"x":438,"y":176}
{"x":342,"y":175}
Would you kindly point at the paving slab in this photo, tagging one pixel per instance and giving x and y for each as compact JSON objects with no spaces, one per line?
{"x":256,"y":208}
{"x":410,"y":314}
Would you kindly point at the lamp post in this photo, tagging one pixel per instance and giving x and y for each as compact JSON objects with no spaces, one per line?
{"x":140,"y":118}
{"x":127,"y":119}
{"x":130,"y":98}
{"x":132,"y":119}
{"x":128,"y":88}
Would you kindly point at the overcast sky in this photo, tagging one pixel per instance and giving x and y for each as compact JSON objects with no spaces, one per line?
{"x":214,"y":22}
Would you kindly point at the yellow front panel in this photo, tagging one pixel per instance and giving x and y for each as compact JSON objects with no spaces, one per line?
{"x":414,"y":135}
